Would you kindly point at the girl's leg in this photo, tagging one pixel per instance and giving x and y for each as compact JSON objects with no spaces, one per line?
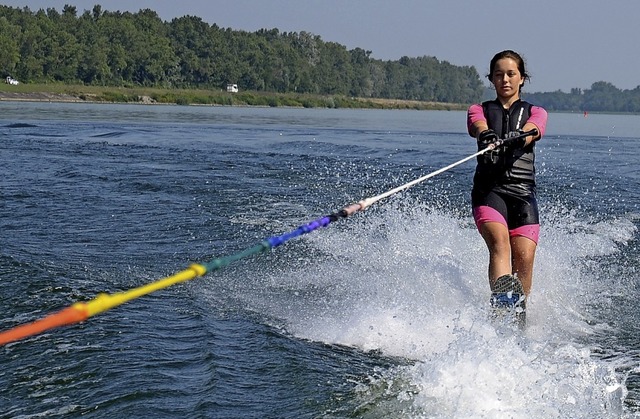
{"x":523,"y":254}
{"x":496,"y":236}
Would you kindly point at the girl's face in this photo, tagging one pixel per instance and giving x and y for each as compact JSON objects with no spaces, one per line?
{"x":507,"y":79}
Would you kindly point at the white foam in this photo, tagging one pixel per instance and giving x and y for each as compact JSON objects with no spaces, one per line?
{"x":412,"y":283}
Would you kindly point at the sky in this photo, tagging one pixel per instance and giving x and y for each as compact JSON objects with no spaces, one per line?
{"x":566,"y":43}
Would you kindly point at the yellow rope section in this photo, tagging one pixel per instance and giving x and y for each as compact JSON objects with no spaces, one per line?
{"x":81,"y":311}
{"x":104,"y":302}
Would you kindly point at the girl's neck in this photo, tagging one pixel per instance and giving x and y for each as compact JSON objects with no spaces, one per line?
{"x":508,"y":101}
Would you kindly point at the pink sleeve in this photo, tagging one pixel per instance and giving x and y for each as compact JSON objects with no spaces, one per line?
{"x":474,"y":114}
{"x":539,"y":119}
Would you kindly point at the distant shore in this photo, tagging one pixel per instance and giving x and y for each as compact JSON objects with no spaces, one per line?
{"x":38,"y":97}
{"x":151,"y":96}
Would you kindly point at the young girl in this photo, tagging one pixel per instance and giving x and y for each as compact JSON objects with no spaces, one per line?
{"x":504,"y":188}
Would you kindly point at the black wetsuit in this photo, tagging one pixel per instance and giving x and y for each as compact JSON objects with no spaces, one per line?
{"x":505,"y":178}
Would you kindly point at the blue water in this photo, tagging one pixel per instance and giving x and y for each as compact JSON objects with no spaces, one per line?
{"x":379,"y":315}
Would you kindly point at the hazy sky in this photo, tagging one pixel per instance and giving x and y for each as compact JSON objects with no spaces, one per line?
{"x":566,"y":43}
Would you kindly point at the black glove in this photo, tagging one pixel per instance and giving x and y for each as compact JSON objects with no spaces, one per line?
{"x":515,"y":143}
{"x":487,"y":137}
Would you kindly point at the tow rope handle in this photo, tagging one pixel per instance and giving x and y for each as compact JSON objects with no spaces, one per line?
{"x":507,"y":141}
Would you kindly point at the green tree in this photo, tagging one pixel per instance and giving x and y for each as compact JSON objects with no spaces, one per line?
{"x":9,"y":37}
{"x":93,"y":63}
{"x":193,"y":43}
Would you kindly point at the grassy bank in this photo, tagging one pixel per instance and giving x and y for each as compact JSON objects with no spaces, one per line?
{"x":79,"y":93}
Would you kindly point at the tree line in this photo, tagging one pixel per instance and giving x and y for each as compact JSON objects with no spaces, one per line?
{"x":602,"y":97}
{"x":107,"y":48}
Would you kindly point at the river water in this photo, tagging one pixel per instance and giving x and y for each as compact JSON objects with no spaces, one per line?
{"x":380,"y":315}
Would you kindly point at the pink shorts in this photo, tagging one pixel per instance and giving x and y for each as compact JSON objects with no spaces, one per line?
{"x":484,"y":214}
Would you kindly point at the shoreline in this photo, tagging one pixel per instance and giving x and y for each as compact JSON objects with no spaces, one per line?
{"x":38,"y":97}
{"x":78,"y":94}
{"x":365,"y":103}
{"x":61,"y":98}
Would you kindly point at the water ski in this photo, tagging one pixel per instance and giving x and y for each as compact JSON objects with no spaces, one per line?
{"x":508,"y":300}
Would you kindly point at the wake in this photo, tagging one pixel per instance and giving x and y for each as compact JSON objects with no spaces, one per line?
{"x":410,"y":282}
